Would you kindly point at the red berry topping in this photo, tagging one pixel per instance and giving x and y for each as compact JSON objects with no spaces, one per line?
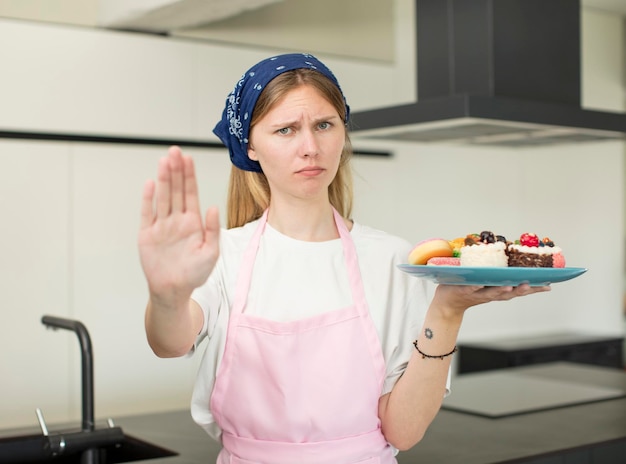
{"x":530,"y":240}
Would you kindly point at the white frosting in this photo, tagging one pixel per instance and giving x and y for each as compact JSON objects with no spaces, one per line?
{"x":485,"y":254}
{"x":544,"y":250}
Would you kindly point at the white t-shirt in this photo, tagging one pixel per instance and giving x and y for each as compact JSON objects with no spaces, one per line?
{"x":293,"y":279}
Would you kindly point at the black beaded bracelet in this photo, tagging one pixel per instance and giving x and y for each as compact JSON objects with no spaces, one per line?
{"x":441,"y":356}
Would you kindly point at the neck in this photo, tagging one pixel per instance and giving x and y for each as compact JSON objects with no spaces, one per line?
{"x":312,"y":223}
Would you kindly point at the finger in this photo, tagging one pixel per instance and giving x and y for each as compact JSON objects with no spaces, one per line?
{"x":192,"y":201}
{"x":163,"y":204}
{"x":212,"y":224}
{"x":522,"y":290}
{"x":526,"y":289}
{"x":497,"y":293}
{"x":531,"y":290}
{"x":212,"y":232}
{"x":147,"y":210}
{"x":177,"y":181}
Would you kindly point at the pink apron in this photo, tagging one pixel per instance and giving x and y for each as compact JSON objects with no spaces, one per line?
{"x":303,"y":391}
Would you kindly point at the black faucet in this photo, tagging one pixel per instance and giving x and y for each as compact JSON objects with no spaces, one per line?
{"x":79,"y":328}
{"x":88,"y":440}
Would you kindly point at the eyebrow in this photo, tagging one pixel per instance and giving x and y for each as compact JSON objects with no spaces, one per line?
{"x":315,"y":121}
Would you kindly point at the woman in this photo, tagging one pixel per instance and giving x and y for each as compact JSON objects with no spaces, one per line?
{"x":310,"y":326}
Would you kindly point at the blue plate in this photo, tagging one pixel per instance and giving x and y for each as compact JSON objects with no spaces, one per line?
{"x":493,"y":276}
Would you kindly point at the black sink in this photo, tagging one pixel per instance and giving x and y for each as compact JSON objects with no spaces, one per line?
{"x":32,"y":448}
{"x":88,"y":445}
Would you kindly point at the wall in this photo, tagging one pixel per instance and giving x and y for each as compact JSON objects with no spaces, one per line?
{"x":70,"y":210}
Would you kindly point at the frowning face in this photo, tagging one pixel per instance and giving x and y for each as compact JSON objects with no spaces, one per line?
{"x":298,"y":144}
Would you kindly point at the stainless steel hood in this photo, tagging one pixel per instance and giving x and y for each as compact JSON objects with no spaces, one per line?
{"x":496,"y":72}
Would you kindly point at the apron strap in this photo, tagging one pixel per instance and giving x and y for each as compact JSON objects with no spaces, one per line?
{"x":247,"y":265}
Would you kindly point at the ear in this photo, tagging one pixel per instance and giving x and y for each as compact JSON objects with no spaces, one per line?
{"x":252,"y":153}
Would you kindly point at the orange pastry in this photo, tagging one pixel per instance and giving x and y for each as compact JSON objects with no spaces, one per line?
{"x":426,"y":249}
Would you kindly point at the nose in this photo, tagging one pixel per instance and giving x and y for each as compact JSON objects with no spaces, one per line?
{"x":310,"y":145}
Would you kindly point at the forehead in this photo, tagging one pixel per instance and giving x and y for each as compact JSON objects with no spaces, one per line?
{"x":302,"y":97}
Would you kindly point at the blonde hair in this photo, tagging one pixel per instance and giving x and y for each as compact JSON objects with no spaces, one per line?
{"x":249,"y":192}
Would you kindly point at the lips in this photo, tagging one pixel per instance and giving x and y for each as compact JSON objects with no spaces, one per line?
{"x":310,"y":171}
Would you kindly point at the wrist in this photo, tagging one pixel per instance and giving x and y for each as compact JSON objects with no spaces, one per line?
{"x":169,"y":299}
{"x":446,"y":314}
{"x":431,"y":356}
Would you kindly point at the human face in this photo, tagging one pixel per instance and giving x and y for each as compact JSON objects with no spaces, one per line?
{"x":298,"y":144}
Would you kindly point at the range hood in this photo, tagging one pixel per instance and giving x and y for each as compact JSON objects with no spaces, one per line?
{"x":496,"y":72}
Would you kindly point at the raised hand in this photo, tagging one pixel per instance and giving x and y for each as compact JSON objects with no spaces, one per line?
{"x":177,"y":249}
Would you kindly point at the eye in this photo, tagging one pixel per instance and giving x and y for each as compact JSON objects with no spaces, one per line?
{"x":324,"y":125}
{"x":284,"y":130}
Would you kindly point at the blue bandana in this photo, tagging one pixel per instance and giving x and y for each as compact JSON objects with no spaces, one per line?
{"x":234,"y":127}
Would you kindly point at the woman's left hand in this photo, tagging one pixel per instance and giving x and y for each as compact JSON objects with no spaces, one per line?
{"x":458,"y":298}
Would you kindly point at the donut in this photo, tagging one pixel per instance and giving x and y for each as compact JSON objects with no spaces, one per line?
{"x":426,"y":249}
{"x":444,"y":261}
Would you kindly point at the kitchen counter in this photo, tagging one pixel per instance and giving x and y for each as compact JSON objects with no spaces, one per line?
{"x":593,"y":349}
{"x":588,"y":433}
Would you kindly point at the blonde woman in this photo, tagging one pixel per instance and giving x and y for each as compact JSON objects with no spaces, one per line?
{"x":311,"y":331}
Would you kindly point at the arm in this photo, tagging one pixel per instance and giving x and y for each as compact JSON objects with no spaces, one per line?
{"x":407,"y":411}
{"x":172,"y":330}
{"x":178,"y":251}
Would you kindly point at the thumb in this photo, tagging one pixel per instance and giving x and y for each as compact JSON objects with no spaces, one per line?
{"x":212,"y":225}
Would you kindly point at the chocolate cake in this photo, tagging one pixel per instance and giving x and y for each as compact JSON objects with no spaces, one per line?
{"x":519,"y":258}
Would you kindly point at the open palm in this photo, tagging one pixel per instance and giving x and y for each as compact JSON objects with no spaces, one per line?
{"x":177,"y":249}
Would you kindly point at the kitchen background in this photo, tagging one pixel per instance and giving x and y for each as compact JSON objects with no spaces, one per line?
{"x":70,"y":209}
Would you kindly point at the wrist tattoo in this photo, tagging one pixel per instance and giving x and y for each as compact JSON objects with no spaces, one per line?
{"x":428,"y":333}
